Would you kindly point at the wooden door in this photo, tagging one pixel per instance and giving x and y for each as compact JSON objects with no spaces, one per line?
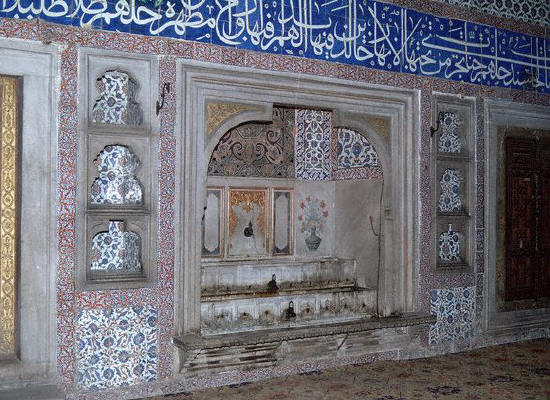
{"x":527,"y":218}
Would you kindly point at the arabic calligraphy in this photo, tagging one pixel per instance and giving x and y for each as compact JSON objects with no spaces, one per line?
{"x":361,"y":32}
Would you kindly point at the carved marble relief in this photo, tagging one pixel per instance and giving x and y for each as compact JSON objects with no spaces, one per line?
{"x":116,"y":250}
{"x":257,"y":150}
{"x":116,"y":347}
{"x":312,"y":220}
{"x":313,"y":131}
{"x":117,"y":183}
{"x":247,"y":232}
{"x":282,"y":222}
{"x":450,"y":196}
{"x":449,"y":246}
{"x":212,"y":224}
{"x":116,"y":103}
{"x":449,"y":138}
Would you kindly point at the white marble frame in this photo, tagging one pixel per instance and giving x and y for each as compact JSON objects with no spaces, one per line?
{"x":505,"y":113}
{"x":199,"y":82}
{"x":38,"y":65}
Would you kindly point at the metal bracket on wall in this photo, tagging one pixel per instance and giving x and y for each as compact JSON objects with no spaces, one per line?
{"x":165,"y":90}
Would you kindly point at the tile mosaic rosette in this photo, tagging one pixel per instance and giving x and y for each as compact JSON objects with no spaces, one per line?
{"x":117,"y":183}
{"x":449,"y":199}
{"x":116,"y":249}
{"x":116,"y":347}
{"x":116,"y":103}
{"x":449,"y":140}
{"x":455,"y":311}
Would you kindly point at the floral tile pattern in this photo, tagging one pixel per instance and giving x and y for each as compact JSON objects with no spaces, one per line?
{"x":116,"y":347}
{"x":354,"y":151}
{"x":257,"y":150}
{"x":449,"y":140}
{"x":313,"y":131}
{"x":455,"y":311}
{"x":449,"y":246}
{"x":531,"y":11}
{"x":117,"y":183}
{"x":449,"y":199}
{"x":353,"y":157}
{"x":116,"y":103}
{"x":116,"y":249}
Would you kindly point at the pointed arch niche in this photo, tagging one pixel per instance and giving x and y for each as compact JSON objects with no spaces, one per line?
{"x":217,"y":100}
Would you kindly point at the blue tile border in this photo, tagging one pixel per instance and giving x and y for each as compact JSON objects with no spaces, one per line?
{"x":359,"y":32}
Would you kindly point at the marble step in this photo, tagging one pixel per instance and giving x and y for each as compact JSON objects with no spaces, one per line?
{"x":190,"y":342}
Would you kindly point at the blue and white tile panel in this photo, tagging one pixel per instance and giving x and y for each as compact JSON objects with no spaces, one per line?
{"x":312,"y":147}
{"x":116,"y":347}
{"x":455,"y":311}
{"x":362,"y":32}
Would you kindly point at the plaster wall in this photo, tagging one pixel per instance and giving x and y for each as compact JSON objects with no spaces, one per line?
{"x":356,"y":202}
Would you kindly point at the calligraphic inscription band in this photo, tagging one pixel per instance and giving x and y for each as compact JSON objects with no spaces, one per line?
{"x":362,"y":32}
{"x":9,"y":214}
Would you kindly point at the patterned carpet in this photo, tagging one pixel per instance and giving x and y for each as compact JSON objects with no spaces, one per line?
{"x":519,"y":371}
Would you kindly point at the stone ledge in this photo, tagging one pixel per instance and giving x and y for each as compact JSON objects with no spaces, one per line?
{"x":198,"y":342}
{"x":48,"y":392}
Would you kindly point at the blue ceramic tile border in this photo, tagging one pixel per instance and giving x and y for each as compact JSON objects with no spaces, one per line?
{"x":360,"y":32}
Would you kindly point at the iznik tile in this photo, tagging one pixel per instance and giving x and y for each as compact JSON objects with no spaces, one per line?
{"x":313,"y":130}
{"x":116,"y":347}
{"x":117,"y":183}
{"x":257,"y":150}
{"x":116,"y":249}
{"x":116,"y":103}
{"x":312,"y":220}
{"x":449,"y":199}
{"x":449,"y":139}
{"x":531,"y":11}
{"x":354,"y":151}
{"x":449,"y":246}
{"x":455,"y":311}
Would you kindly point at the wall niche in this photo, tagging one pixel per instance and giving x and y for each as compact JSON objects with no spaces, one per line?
{"x":288,"y":224}
{"x":118,"y":221}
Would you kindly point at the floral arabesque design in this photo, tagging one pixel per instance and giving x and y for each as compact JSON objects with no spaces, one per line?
{"x":354,"y":151}
{"x":455,"y":311}
{"x":116,"y":103}
{"x":449,"y":246}
{"x":449,"y":200}
{"x":117,"y":183}
{"x":312,"y":220}
{"x":116,"y":347}
{"x":449,"y":141}
{"x":116,"y":249}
